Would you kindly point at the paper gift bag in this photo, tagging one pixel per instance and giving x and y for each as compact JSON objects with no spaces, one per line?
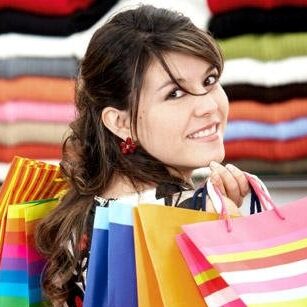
{"x":28,"y":180}
{"x":261,"y":257}
{"x":207,"y":278}
{"x":111,"y":277}
{"x":162,"y":276}
{"x":21,"y":265}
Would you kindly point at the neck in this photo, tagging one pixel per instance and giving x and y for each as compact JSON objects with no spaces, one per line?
{"x":185,"y":176}
{"x":120,"y":186}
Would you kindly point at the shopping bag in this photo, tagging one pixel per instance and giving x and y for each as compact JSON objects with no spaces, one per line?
{"x":28,"y":180}
{"x":262,"y":257}
{"x":206,"y":277}
{"x":111,"y":277}
{"x":21,"y":264}
{"x":163,"y":279}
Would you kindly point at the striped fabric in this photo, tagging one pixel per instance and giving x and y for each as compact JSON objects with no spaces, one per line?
{"x":263,"y":259}
{"x":21,"y":265}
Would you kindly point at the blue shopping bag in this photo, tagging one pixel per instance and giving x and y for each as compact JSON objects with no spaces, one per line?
{"x":111,"y":276}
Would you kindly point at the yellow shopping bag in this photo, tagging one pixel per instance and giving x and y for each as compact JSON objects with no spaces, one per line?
{"x":163,"y":278}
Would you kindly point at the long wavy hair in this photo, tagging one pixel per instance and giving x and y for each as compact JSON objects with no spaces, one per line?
{"x":111,"y":74}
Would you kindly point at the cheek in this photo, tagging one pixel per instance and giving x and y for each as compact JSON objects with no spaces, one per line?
{"x":223,"y":103}
{"x":149,"y":126}
{"x":155,"y":128}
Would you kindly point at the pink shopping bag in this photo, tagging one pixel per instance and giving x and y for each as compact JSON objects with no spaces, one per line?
{"x":260,"y":258}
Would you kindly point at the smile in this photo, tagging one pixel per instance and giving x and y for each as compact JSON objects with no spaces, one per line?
{"x":206,"y":132}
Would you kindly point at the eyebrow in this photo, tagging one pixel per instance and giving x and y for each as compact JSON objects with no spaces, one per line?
{"x":170,"y":81}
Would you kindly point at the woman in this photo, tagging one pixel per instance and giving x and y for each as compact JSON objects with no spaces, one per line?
{"x":150,"y":111}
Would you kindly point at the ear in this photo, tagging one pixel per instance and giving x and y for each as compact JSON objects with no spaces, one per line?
{"x":117,"y":121}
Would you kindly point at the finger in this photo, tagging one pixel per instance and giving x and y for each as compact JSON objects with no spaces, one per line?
{"x":240,"y":178}
{"x":229,"y":182}
{"x":218,"y":182}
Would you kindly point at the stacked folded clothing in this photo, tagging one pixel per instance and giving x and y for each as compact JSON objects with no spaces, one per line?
{"x":37,"y":83}
{"x":265,"y":46}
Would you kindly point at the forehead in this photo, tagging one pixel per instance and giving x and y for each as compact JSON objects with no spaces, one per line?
{"x":182,"y":66}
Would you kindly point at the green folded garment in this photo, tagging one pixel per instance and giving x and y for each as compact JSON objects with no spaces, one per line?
{"x":265,"y":47}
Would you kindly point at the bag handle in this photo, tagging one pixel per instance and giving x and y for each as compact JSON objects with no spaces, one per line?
{"x":260,"y":190}
{"x":202,"y":192}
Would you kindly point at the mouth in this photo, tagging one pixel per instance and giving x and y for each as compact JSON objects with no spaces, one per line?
{"x":205,"y":133}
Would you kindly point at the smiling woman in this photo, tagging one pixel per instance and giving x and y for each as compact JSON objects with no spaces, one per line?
{"x":193,"y":122}
{"x":150,"y":111}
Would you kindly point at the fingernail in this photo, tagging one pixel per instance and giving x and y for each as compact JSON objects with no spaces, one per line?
{"x":231,"y":167}
{"x":214,"y":177}
{"x":214,"y":164}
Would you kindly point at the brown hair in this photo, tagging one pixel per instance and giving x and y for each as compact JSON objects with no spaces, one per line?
{"x":111,"y":74}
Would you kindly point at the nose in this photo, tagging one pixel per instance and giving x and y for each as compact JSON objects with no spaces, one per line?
{"x":205,"y":105}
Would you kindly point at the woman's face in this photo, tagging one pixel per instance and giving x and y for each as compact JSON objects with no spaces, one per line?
{"x":177,"y":128}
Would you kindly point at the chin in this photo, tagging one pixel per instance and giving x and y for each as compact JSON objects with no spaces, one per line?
{"x":217,"y":157}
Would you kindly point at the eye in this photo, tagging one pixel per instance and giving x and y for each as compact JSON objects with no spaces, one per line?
{"x":175,"y":94}
{"x":211,"y":79}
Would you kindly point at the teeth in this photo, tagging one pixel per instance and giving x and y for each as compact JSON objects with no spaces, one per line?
{"x":203,"y":133}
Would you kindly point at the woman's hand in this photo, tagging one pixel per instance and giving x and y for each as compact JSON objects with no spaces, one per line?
{"x":230,"y":180}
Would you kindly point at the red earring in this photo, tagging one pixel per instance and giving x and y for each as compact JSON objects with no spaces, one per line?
{"x":127,"y":147}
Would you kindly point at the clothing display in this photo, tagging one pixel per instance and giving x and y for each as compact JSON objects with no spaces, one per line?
{"x":219,"y":6}
{"x":266,"y":95}
{"x":23,"y":22}
{"x":31,"y":66}
{"x":267,"y":74}
{"x":269,"y":46}
{"x":19,"y":45}
{"x":268,"y":113}
{"x":258,"y":21}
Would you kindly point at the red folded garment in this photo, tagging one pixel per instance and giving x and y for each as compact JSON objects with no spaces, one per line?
{"x":54,"y":7}
{"x":219,"y":6}
{"x":32,"y":151}
{"x":267,"y":150}
{"x":270,"y":113}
